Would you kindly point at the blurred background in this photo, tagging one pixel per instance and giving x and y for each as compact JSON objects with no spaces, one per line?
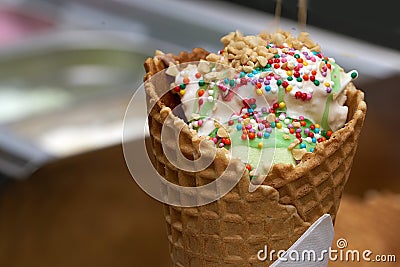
{"x":67,"y":72}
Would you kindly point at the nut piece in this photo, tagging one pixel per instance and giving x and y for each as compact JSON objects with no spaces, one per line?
{"x":172,"y":70}
{"x":271,"y":117}
{"x":263,"y":61}
{"x":222,"y":132}
{"x":298,"y":153}
{"x":213,"y":57}
{"x":294,"y":144}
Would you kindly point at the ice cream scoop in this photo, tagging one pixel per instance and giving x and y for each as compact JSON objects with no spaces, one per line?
{"x":275,"y":95}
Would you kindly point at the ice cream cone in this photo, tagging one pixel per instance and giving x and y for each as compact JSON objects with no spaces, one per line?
{"x":231,"y":230}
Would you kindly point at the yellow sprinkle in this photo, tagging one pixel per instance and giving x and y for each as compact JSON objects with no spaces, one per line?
{"x":260,"y":145}
{"x":289,"y":73}
{"x":289,"y":88}
{"x":182,"y":92}
{"x":259,"y":92}
{"x":317,"y":125}
{"x":282,"y":105}
{"x":279,"y":125}
{"x":305,"y":63}
{"x":327,"y":84}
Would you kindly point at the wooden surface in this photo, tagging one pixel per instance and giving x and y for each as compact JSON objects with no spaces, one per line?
{"x":88,"y":211}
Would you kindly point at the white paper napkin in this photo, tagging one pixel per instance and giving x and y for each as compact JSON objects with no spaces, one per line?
{"x":317,"y":239}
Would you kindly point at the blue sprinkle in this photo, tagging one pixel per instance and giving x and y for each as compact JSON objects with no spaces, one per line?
{"x":311,"y":149}
{"x":316,"y":130}
{"x":242,"y":74}
{"x":226,"y":81}
{"x":239,"y":127}
{"x":254,"y":72}
{"x":302,"y":145}
{"x":250,"y":75}
{"x":314,"y":140}
{"x":250,"y":110}
{"x":267,"y":88}
{"x":273,"y":124}
{"x":267,"y":135}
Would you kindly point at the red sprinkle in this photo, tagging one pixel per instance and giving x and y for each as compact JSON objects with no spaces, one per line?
{"x":252,"y":136}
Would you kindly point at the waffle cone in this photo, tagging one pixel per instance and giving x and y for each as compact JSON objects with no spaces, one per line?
{"x":231,"y":230}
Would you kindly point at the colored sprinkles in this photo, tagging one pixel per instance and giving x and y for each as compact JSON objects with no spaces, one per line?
{"x":290,"y":72}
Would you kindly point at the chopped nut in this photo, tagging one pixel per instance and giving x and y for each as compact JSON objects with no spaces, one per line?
{"x":172,"y":70}
{"x":271,"y":117}
{"x":238,"y":56}
{"x":278,"y":39}
{"x":213,"y":57}
{"x":222,"y":132}
{"x":244,"y":59}
{"x":297,"y":44}
{"x":233,"y":50}
{"x":209,"y":77}
{"x":261,"y":51}
{"x":247,"y":69}
{"x":298,"y":153}
{"x":159,"y":53}
{"x":227,"y":38}
{"x":269,"y":55}
{"x":296,"y":124}
{"x":316,"y":48}
{"x":294,"y":144}
{"x":304,"y":37}
{"x":238,"y":45}
{"x":203,"y":66}
{"x":262,"y":60}
{"x":273,"y":50}
{"x":254,"y":41}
